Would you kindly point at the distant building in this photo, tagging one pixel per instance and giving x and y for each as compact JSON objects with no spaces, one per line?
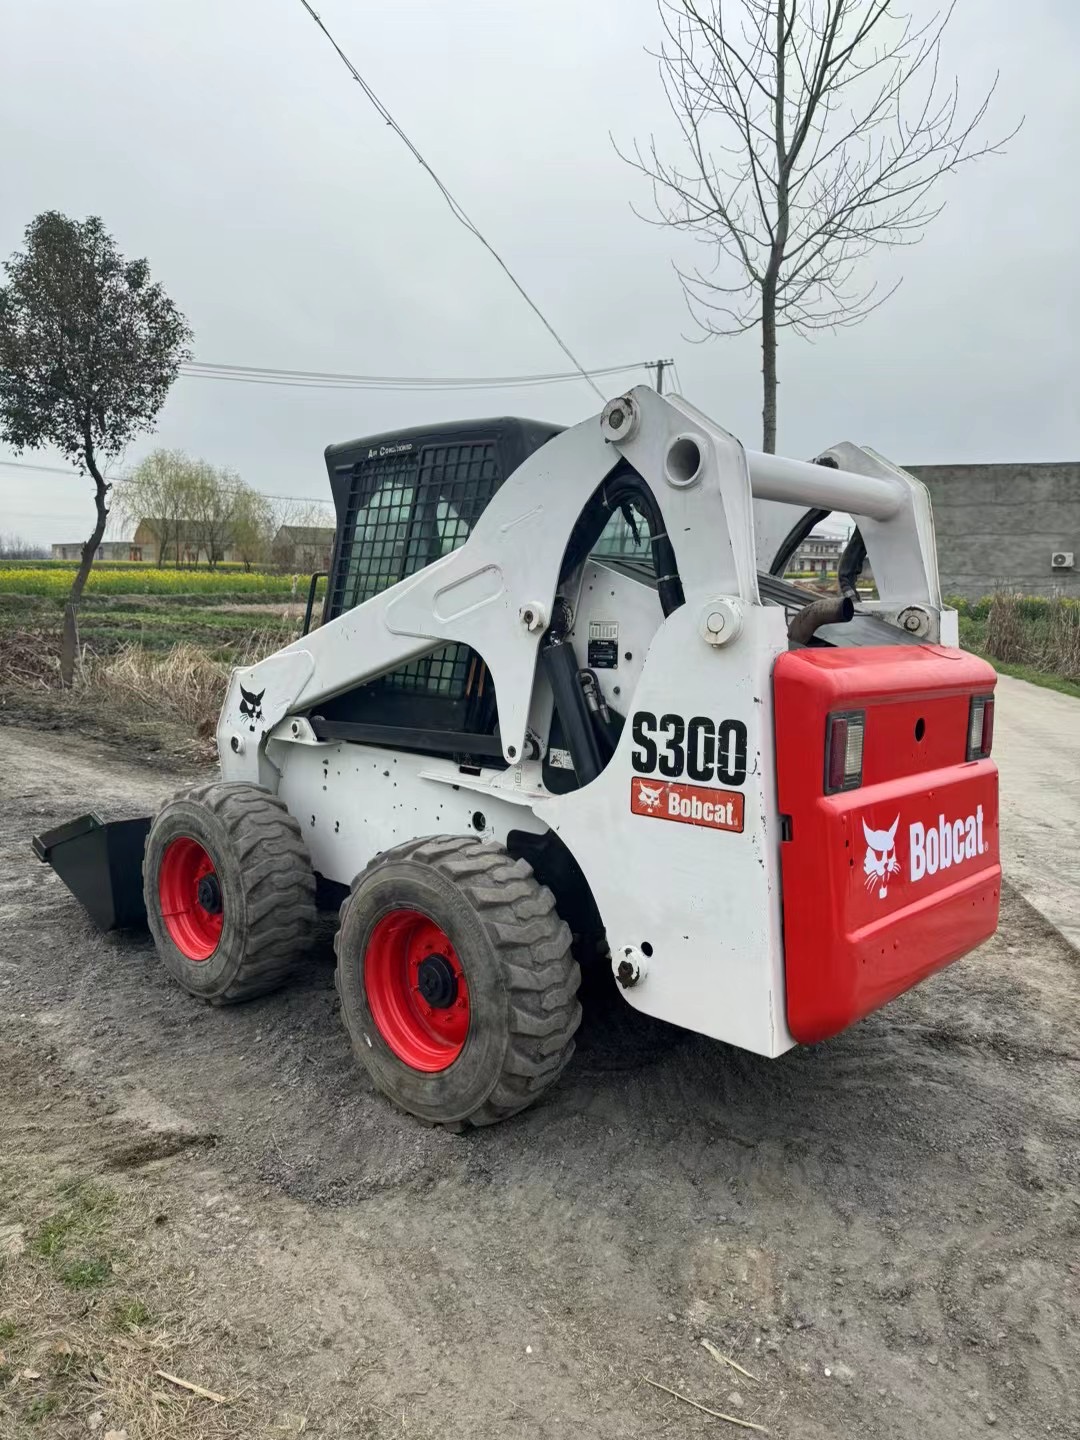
{"x":1012,"y":526}
{"x":183,"y":535}
{"x":817,"y":555}
{"x":107,"y":550}
{"x":304,"y":548}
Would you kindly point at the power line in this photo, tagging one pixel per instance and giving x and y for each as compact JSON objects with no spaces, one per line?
{"x":455,"y":209}
{"x":45,"y":469}
{"x":338,"y":380}
{"x":262,"y":494}
{"x":58,"y":470}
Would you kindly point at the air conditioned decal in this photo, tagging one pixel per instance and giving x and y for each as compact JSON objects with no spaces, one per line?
{"x":401,"y":448}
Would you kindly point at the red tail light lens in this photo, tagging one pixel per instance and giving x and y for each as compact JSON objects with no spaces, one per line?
{"x":844,"y":751}
{"x":988,"y":726}
{"x":980,"y":727}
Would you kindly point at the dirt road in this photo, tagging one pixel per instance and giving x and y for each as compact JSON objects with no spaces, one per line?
{"x":1037,"y":747}
{"x":883,"y":1229}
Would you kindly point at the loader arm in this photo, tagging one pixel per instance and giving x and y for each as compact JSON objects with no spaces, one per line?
{"x":496,"y":592}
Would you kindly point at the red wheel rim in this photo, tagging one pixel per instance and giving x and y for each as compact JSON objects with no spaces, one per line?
{"x":416,"y":990}
{"x":189,"y":894}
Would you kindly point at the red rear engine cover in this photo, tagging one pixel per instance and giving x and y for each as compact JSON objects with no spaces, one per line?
{"x":889,"y":882}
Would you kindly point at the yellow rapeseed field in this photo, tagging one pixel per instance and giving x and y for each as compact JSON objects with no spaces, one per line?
{"x":148,"y":580}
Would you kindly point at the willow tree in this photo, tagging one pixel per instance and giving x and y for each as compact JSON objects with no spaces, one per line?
{"x":813,"y":131}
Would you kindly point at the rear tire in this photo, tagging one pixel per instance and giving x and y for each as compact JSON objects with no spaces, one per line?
{"x":229,"y":890}
{"x":460,"y":924}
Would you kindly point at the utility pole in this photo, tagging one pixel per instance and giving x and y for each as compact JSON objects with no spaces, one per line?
{"x":660,"y":366}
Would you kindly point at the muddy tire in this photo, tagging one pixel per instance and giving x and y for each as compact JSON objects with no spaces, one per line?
{"x":229,"y":889}
{"x":458,"y":987}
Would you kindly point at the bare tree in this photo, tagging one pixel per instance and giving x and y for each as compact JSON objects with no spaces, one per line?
{"x":14,"y":547}
{"x":814,"y":130}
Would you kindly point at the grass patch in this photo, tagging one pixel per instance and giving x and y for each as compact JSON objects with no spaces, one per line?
{"x":8,"y":1328}
{"x":30,"y":636}
{"x":41,"y":1407}
{"x":63,"y":1237}
{"x":87,"y":1197}
{"x":131,"y":1315}
{"x":52,"y":1237}
{"x":1037,"y":677}
{"x":85,"y":1274}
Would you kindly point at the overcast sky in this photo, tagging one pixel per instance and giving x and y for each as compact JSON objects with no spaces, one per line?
{"x":223,"y":140}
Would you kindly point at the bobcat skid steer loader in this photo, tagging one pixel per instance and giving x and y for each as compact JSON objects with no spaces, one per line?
{"x":562,"y":710}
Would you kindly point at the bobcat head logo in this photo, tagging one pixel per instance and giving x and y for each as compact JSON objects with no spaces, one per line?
{"x":251,"y":707}
{"x":649,"y":795}
{"x":880,"y":861}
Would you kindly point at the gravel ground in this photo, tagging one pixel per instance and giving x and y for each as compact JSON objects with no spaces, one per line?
{"x":883,"y":1228}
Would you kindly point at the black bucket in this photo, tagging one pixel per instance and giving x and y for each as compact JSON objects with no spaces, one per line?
{"x":101,"y":864}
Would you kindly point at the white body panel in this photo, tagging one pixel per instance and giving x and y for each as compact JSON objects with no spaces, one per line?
{"x":697,"y":905}
{"x":706,"y":901}
{"x":354,"y":801}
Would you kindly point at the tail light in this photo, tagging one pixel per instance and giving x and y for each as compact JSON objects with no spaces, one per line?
{"x":980,"y":737}
{"x":844,"y":751}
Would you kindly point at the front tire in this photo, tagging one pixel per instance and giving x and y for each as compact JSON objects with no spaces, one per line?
{"x":229,"y":890}
{"x":458,"y":987}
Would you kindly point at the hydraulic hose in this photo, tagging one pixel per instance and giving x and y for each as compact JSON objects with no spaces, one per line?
{"x":851,"y":563}
{"x":629,"y":488}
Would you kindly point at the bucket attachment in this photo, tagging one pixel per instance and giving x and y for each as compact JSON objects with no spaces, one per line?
{"x":101,"y":864}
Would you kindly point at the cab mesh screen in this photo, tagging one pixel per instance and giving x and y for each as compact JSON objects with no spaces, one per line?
{"x":405,"y":511}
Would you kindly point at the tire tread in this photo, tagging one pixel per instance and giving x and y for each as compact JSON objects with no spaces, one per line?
{"x":279,"y":887}
{"x":533,"y":944}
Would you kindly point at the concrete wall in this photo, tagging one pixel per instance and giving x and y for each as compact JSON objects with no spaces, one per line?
{"x":997,"y":526}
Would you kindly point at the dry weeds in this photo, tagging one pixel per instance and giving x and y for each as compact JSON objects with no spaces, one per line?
{"x":183,"y":681}
{"x":1031,"y":630}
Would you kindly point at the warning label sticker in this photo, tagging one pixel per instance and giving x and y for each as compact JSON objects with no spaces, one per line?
{"x":689,"y":804}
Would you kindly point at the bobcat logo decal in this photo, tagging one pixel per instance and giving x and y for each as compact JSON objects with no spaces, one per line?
{"x":251,"y":707}
{"x":880,"y":860}
{"x":649,"y":795}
